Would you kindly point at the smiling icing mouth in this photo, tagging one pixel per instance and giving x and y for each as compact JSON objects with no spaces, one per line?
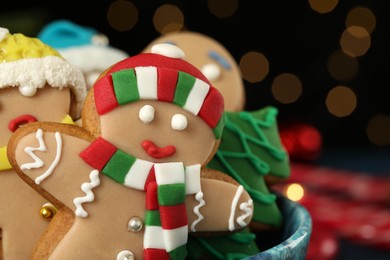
{"x":158,"y":152}
{"x":19,"y":121}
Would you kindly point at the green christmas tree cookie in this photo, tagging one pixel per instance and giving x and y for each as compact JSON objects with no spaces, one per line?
{"x":250,"y":151}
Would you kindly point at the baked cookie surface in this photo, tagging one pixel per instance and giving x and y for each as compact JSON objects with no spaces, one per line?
{"x":36,"y":84}
{"x":131,"y":182}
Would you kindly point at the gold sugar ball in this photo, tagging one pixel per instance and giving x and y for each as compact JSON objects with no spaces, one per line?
{"x":48,"y":211}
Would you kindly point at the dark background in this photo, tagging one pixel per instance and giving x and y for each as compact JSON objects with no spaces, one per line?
{"x":294,"y":38}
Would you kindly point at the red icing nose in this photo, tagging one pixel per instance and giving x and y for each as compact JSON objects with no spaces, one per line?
{"x":158,"y":152}
{"x":20,"y":120}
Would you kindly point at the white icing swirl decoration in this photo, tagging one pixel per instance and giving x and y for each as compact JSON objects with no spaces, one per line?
{"x":198,"y":197}
{"x":38,"y":163}
{"x":89,"y":196}
{"x":247,"y":208}
{"x":30,"y":151}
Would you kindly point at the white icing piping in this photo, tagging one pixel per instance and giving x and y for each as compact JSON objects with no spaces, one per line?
{"x":38,"y":163}
{"x":239,"y":191}
{"x":198,"y":197}
{"x":89,"y":197}
{"x":247,"y":208}
{"x":55,"y":162}
{"x":30,"y":151}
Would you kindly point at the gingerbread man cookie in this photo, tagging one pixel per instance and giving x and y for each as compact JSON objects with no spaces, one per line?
{"x":36,"y":84}
{"x":131,"y":183}
{"x":252,"y":152}
{"x":215,"y":62}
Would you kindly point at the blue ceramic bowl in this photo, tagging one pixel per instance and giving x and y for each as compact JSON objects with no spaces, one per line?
{"x":295,"y":236}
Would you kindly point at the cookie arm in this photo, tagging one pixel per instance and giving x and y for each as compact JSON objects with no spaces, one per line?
{"x":45,"y":155}
{"x":224,"y":207}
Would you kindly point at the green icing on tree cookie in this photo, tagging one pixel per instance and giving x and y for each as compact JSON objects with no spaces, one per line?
{"x":250,"y":149}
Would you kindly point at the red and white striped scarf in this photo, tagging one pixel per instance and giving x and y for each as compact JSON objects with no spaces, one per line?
{"x":165,"y":184}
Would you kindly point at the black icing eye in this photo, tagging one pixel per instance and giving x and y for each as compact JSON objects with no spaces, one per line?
{"x":146,"y":114}
{"x":179,"y":122}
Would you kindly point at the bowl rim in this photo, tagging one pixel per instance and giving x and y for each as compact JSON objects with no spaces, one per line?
{"x":299,"y":238}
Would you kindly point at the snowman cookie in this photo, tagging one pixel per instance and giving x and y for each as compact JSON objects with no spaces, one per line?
{"x":36,"y":84}
{"x":131,"y":183}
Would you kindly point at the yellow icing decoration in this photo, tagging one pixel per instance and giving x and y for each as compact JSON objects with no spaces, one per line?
{"x":4,"y":163}
{"x":67,"y":120}
{"x":17,"y":46}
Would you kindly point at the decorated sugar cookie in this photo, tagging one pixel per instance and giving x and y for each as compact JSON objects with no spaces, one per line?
{"x":36,"y":84}
{"x":215,"y":62}
{"x":251,"y":150}
{"x":83,"y":46}
{"x":131,"y":182}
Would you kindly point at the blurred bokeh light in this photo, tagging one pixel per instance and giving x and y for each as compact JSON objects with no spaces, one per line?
{"x":286,"y":88}
{"x":341,"y":66}
{"x":168,"y":18}
{"x":378,"y":130}
{"x":323,"y":6}
{"x":341,"y":101}
{"x":363,"y":17}
{"x":122,"y":15}
{"x":355,"y":41}
{"x":254,"y":66}
{"x":294,"y":191}
{"x":222,"y":8}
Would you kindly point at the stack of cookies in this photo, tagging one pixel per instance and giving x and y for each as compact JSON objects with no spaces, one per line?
{"x":162,"y":164}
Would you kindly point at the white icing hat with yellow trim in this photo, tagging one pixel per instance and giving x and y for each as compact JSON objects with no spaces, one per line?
{"x":29,"y":64}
